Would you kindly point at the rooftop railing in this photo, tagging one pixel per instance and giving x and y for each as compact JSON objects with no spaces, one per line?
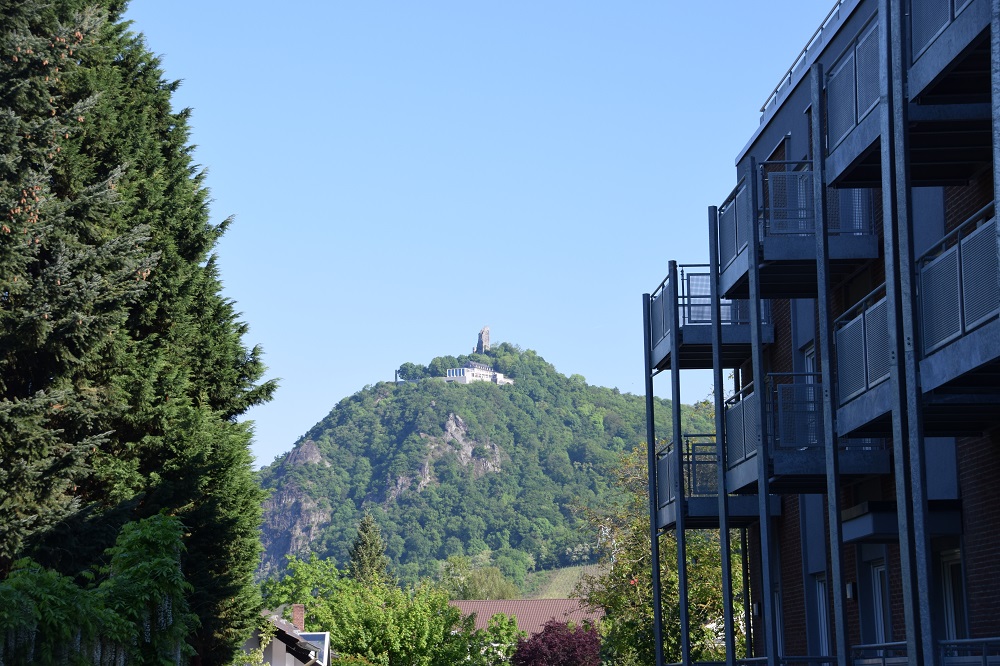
{"x":862,"y":343}
{"x":802,"y":58}
{"x":957,"y":281}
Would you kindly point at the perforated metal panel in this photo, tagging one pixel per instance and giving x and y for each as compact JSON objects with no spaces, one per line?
{"x":751,"y":423}
{"x":735,"y":434}
{"x":699,"y":301}
{"x":927,"y":17}
{"x":940,"y":304}
{"x":980,"y":297}
{"x":799,"y":419}
{"x":664,"y":478}
{"x":840,"y":100}
{"x":877,"y":342}
{"x":790,"y":203}
{"x":727,"y":235}
{"x":657,"y":320}
{"x":866,"y":65}
{"x":851,"y":359}
{"x":744,"y":216}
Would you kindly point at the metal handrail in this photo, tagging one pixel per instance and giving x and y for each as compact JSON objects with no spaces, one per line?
{"x":878,"y":653}
{"x":988,"y":649}
{"x":864,"y":303}
{"x":740,"y":395}
{"x":949,"y":240}
{"x":787,"y":78}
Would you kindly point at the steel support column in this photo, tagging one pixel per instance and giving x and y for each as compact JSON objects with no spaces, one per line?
{"x":995,"y":94}
{"x":830,"y":447}
{"x":907,"y":418}
{"x":651,"y":467}
{"x":725,"y":548}
{"x":680,"y":503}
{"x":768,"y":610}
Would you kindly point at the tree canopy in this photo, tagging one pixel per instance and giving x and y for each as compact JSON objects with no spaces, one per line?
{"x":122,"y":366}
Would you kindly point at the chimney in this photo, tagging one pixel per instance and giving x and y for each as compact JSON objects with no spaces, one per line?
{"x":299,"y":616}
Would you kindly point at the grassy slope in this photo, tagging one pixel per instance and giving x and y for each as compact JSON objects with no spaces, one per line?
{"x":557,"y":583}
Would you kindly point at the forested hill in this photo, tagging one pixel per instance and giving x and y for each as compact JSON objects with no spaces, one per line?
{"x":459,"y":469}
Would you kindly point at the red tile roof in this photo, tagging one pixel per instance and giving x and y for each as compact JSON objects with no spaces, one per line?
{"x":531,"y":614}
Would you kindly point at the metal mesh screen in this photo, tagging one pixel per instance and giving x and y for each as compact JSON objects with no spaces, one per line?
{"x":940,"y":315}
{"x":840,"y":101}
{"x":980,"y":296}
{"x":877,"y":342}
{"x":735,"y":434}
{"x":851,"y":359}
{"x":699,"y":301}
{"x":744,"y":215}
{"x":867,"y":71}
{"x":665,"y":477}
{"x":728,"y":244}
{"x":657,"y":318}
{"x":751,"y":423}
{"x":790,"y":202}
{"x":927,"y":17}
{"x":799,"y":418}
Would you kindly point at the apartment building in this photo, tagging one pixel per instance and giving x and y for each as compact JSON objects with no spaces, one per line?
{"x":850,"y":313}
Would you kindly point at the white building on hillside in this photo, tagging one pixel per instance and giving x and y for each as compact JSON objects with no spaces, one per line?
{"x":476,"y":372}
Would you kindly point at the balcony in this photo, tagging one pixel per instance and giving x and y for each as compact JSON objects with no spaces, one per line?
{"x":701,"y":487}
{"x":786,"y":226}
{"x":853,"y":122}
{"x":690,"y":288}
{"x":792,"y":438}
{"x":861,"y":339}
{"x":959,"y":315}
{"x":949,"y":51}
{"x":970,"y":652}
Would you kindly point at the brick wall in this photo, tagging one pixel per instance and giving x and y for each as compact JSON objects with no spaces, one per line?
{"x":978,"y":471}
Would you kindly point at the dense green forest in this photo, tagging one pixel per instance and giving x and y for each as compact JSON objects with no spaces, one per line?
{"x":492,"y":472}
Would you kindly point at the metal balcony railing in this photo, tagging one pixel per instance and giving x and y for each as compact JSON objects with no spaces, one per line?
{"x":929,"y":18}
{"x":698,"y":465}
{"x":880,"y":654}
{"x":795,"y":410}
{"x":742,"y":426}
{"x":862,"y":342}
{"x":852,"y":86}
{"x":971,"y":652}
{"x":735,"y":215}
{"x":788,"y":209}
{"x":694,"y":303}
{"x":794,"y":419}
{"x":957,"y":282}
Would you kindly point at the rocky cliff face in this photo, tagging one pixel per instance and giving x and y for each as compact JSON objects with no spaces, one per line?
{"x":294,"y":521}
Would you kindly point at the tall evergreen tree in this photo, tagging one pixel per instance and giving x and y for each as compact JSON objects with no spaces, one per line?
{"x":122,"y":367}
{"x":368,"y":560}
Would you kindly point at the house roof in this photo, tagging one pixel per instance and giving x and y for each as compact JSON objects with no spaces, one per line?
{"x":531,"y":614}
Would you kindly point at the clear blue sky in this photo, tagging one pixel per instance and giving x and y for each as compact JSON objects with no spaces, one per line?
{"x":404,"y":172}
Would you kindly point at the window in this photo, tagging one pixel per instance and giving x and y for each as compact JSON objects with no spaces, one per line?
{"x":953,"y":595}
{"x":822,"y":617}
{"x":880,"y":602}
